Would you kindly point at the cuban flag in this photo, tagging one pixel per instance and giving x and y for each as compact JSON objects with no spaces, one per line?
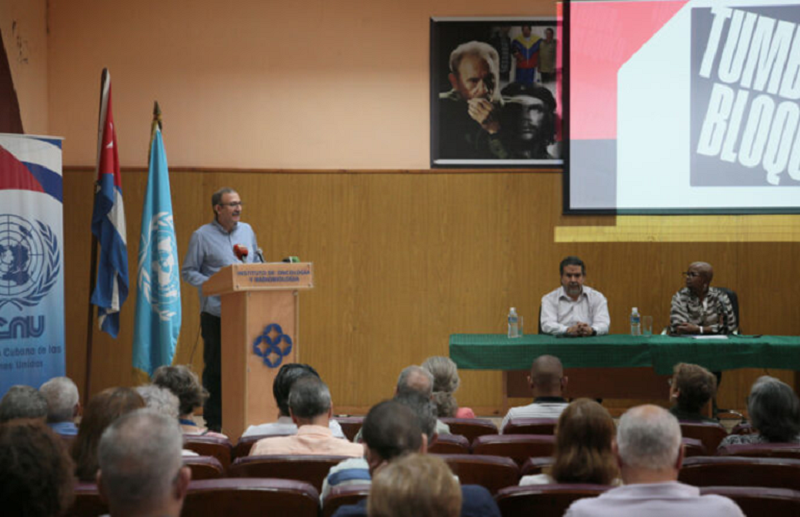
{"x":108,"y":221}
{"x":158,"y":283}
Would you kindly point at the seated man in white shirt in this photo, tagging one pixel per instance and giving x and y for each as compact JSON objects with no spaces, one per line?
{"x":650,"y":454}
{"x":574,"y":309}
{"x":547,"y":382}
{"x":281,"y":387}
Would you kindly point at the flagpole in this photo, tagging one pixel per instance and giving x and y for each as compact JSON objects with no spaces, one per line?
{"x":87,"y":383}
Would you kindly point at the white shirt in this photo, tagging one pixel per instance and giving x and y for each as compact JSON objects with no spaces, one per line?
{"x":549,"y":409}
{"x":285,"y":426}
{"x":560,"y":312}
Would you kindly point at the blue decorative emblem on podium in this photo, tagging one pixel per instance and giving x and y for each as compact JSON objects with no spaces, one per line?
{"x":29,"y":261}
{"x":271,"y":339}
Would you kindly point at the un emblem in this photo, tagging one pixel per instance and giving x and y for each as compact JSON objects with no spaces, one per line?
{"x":29,"y":261}
{"x":272,"y":337}
{"x":159,"y":275}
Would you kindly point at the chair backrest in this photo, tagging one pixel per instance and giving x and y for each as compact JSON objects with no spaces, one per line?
{"x":250,"y":498}
{"x":708,"y":433}
{"x":470,"y":428}
{"x":740,"y":471}
{"x":220,"y":448}
{"x":531,"y":426}
{"x":533,"y":466}
{"x":743,"y":428}
{"x":350,"y":425}
{"x":518,"y":447}
{"x":449,"y":444}
{"x":491,"y":472}
{"x":776,"y":502}
{"x":88,"y":502}
{"x":694,"y":447}
{"x":204,"y":467}
{"x":342,"y":496}
{"x":734,"y":298}
{"x":311,"y":469}
{"x":544,"y":500}
{"x":762,"y":450}
{"x":245,"y":443}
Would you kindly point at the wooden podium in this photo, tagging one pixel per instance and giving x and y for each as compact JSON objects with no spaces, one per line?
{"x":260,"y":310}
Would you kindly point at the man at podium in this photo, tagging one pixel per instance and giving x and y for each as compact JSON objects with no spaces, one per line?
{"x":220,"y":243}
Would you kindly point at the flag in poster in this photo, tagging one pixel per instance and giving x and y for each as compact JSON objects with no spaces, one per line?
{"x":108,"y":221}
{"x":158,"y":301}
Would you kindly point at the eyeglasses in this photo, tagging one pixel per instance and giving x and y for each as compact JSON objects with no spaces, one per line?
{"x":237,"y":204}
{"x":691,"y":274}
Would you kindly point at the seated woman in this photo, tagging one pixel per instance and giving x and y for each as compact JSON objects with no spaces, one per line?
{"x":774,"y":413}
{"x":445,"y":383}
{"x":583,"y":454}
{"x":185,"y":385}
{"x":691,"y":387}
{"x":100,"y":412}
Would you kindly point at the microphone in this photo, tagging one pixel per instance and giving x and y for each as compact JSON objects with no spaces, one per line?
{"x":240,"y":251}
{"x":260,"y":256}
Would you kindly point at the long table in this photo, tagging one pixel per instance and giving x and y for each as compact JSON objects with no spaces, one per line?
{"x":619,"y":366}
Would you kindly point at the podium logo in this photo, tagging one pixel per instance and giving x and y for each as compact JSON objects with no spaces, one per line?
{"x":268,"y":345}
{"x":29,"y":261}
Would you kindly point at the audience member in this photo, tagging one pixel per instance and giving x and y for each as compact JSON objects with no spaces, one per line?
{"x":583,"y":452}
{"x":310,"y":409}
{"x":547,"y":382}
{"x":574,"y":309}
{"x":35,"y":471}
{"x":393,"y":429}
{"x":649,"y":452}
{"x":159,"y":399}
{"x":185,"y":385}
{"x":699,"y":308}
{"x":774,"y":411}
{"x":691,"y":387}
{"x":63,"y":405}
{"x":141,"y":471}
{"x":445,"y":383}
{"x":281,"y":387}
{"x":100,"y":412}
{"x":416,"y":485}
{"x":22,"y":402}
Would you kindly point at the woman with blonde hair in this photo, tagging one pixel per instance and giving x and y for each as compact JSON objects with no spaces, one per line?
{"x":584,"y":434}
{"x":416,"y":485}
{"x":445,"y":383}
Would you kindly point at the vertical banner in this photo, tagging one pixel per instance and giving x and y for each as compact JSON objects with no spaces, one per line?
{"x":31,"y":265}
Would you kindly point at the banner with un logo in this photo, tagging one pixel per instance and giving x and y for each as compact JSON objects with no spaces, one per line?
{"x":31,"y":261}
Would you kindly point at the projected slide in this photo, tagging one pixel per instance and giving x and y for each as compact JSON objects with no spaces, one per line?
{"x":684,"y":106}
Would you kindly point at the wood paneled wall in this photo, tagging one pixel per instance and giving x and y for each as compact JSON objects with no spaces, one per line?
{"x":402,"y":260}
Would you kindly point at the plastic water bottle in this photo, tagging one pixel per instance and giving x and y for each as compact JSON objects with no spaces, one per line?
{"x":513,"y":323}
{"x":636,"y":322}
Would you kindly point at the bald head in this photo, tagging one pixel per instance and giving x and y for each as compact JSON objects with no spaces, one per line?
{"x":415,"y":379}
{"x":704,"y":268}
{"x":546,"y":375}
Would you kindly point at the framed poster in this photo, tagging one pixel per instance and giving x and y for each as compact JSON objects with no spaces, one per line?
{"x":495,"y":92}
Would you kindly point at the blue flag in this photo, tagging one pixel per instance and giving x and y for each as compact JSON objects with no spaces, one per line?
{"x":158,"y":301}
{"x":108,"y":222}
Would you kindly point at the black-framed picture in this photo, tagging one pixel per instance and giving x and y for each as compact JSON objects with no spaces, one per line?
{"x":495,"y":93}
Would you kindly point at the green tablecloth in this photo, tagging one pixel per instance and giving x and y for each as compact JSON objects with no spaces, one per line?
{"x":497,"y":352}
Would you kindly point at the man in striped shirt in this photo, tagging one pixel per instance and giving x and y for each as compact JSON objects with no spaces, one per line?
{"x":699,"y":308}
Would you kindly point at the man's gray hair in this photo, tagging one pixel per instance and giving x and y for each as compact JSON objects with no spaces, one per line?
{"x":62,"y":397}
{"x":424,"y":408}
{"x":483,"y":51}
{"x":309,"y":398}
{"x":774,"y":409}
{"x":22,"y":402}
{"x":216,"y":197}
{"x":417,"y":379}
{"x":160,"y":400}
{"x":140,"y":456}
{"x":649,"y":437}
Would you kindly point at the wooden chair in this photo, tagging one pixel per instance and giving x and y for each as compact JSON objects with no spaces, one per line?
{"x":307,"y":468}
{"x":518,"y":447}
{"x":250,"y":498}
{"x":204,"y":467}
{"x":491,"y":472}
{"x":219,"y":448}
{"x":740,"y":471}
{"x":245,"y":443}
{"x":350,"y":425}
{"x":708,"y":433}
{"x":694,"y":447}
{"x":343,"y":496}
{"x":470,"y":428}
{"x":762,"y":450}
{"x":531,"y":426}
{"x":543,"y":500}
{"x":449,"y":444}
{"x":88,"y":502}
{"x":775,"y":502}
